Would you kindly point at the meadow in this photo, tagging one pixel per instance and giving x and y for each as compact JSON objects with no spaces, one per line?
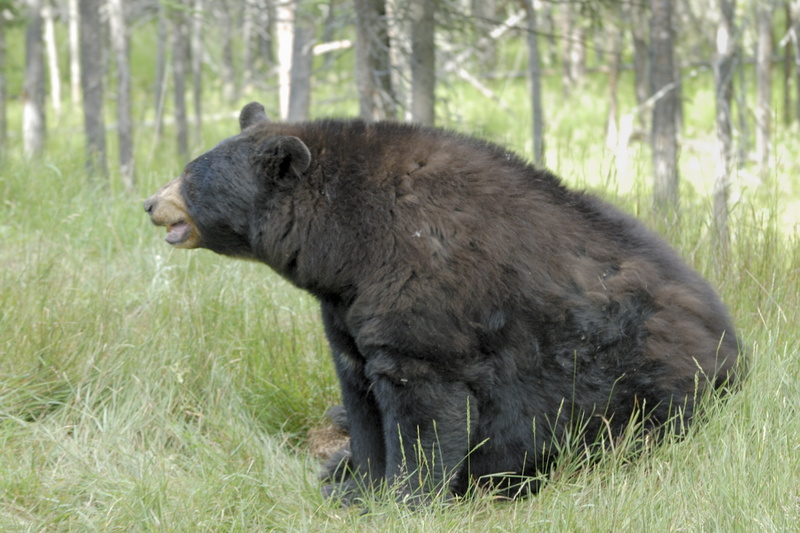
{"x":150,"y":389}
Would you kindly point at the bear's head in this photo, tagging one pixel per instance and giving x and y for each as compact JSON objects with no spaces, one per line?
{"x":219,"y":197}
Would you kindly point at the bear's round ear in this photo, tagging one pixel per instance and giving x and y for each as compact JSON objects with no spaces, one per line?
{"x":284,"y":158}
{"x":252,"y":113}
{"x":298,"y":152}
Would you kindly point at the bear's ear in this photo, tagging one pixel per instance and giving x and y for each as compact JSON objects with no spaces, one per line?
{"x":284,"y":154}
{"x":252,"y":113}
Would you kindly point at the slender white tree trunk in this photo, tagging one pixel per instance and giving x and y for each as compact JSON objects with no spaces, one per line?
{"x":423,"y":61}
{"x":534,"y":71}
{"x":52,"y":58}
{"x":74,"y":53}
{"x":119,"y":40}
{"x":664,"y":124}
{"x":33,"y":112}
{"x":91,"y":34}
{"x":197,"y":70}
{"x":300,"y":73}
{"x":723,"y":77}
{"x":764,"y":85}
{"x":284,"y":33}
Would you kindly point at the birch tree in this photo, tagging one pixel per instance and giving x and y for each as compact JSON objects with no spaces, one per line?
{"x":373,"y":64}
{"x":196,"y":45}
{"x":74,"y":52}
{"x":54,"y":73}
{"x":91,"y":40}
{"x":723,"y":79}
{"x":119,"y":41}
{"x":637,"y":20}
{"x":160,"y":83}
{"x":763,"y":112}
{"x":3,"y":86}
{"x":663,"y":90}
{"x":33,"y":92}
{"x":285,"y":13}
{"x":534,"y":72}
{"x":300,"y":70}
{"x":423,"y":61}
{"x":795,"y":41}
{"x":179,"y":31}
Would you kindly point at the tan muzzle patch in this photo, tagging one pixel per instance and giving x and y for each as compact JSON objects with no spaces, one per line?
{"x":167,"y":208}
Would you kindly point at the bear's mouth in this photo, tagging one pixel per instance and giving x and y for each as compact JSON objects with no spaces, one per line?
{"x":178,"y":232}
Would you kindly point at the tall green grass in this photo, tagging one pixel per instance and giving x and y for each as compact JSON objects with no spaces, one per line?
{"x":150,"y":389}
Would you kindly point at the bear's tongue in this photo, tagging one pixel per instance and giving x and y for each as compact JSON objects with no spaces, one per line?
{"x":177,"y":233}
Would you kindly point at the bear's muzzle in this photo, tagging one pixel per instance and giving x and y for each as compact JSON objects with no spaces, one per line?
{"x":167,"y":208}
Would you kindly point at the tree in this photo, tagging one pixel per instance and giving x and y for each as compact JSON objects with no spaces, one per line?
{"x":119,"y":41}
{"x":285,"y":13}
{"x":3,"y":89}
{"x":795,"y":37}
{"x":52,"y":56}
{"x":535,"y":80}
{"x":763,"y":84}
{"x":373,"y":65}
{"x":723,"y":79}
{"x":74,"y":52}
{"x":33,"y":93}
{"x":225,"y":15}
{"x":197,"y":69}
{"x":636,"y":18}
{"x":663,"y":90}
{"x":91,"y":39}
{"x":615,"y":39}
{"x":300,"y":70}
{"x":160,"y":83}
{"x":423,"y":61}
{"x":179,"y":49}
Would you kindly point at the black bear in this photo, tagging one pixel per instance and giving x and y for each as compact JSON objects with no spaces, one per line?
{"x":479,"y":312}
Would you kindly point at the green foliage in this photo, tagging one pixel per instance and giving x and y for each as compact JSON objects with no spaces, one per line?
{"x":148,"y":389}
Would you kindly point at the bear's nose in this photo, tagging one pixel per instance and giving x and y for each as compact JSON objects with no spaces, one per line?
{"x":149,"y":204}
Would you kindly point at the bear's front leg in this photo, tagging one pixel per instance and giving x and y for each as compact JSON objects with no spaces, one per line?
{"x":362,"y":468}
{"x":428,"y":421}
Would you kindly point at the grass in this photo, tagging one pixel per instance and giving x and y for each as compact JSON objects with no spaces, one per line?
{"x":146,"y":389}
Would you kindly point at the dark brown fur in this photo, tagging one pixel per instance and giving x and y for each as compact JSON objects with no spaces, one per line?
{"x":474,"y":305}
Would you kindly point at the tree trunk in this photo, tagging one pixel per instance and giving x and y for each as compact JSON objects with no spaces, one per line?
{"x":662,"y":87}
{"x":33,"y":92}
{"x":614,"y":39}
{"x":423,"y":62}
{"x":536,"y":87}
{"x":225,"y":24}
{"x":796,"y":48}
{"x":574,"y":56}
{"x":91,"y":39}
{"x":197,"y":70}
{"x":52,"y":57}
{"x":788,"y":59}
{"x":638,"y":23}
{"x":119,"y":40}
{"x":484,"y":12}
{"x":763,"y":85}
{"x":300,"y":74}
{"x":3,"y":91}
{"x":179,"y":35}
{"x":284,"y":34}
{"x":373,"y":66}
{"x":265,"y":33}
{"x":74,"y":53}
{"x":248,"y":29}
{"x":723,"y":79}
{"x":740,"y":93}
{"x":160,"y":84}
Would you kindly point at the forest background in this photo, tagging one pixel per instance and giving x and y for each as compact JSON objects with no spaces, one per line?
{"x":148,"y":389}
